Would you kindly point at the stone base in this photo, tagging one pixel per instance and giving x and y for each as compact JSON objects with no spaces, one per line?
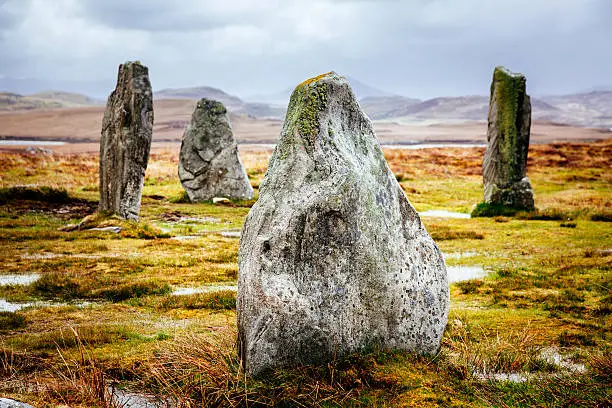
{"x":517,"y":195}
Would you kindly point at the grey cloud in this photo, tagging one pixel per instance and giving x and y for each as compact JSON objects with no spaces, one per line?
{"x":150,"y":15}
{"x":421,"y":48}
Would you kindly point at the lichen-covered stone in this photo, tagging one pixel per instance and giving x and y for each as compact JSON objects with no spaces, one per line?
{"x":505,"y":164}
{"x":333,"y":259}
{"x":209,"y":164}
{"x":126,"y":141}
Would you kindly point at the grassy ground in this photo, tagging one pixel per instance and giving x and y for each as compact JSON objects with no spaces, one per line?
{"x":541,"y":316}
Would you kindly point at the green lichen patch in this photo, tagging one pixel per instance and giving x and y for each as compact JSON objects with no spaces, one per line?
{"x":508,"y":89}
{"x":307,"y":101}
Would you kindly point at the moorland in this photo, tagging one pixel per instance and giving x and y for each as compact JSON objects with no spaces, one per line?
{"x":151,"y":309}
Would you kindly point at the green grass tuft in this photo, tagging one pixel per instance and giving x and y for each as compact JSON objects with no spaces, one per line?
{"x":493,"y":210}
{"x":11,"y":321}
{"x":221,"y":300}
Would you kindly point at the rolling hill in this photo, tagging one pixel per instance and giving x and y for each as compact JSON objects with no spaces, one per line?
{"x":45,"y":100}
{"x":586,"y":109}
{"x":593,"y":109}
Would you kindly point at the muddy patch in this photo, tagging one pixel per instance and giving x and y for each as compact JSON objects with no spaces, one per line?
{"x":65,"y":211}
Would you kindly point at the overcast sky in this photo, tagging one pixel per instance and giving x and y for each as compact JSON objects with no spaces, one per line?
{"x":418,"y":48}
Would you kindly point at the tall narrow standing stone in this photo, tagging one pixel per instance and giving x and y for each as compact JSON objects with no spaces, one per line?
{"x":209,"y":164}
{"x":333,"y":258}
{"x":126,"y":140}
{"x":505,"y":164}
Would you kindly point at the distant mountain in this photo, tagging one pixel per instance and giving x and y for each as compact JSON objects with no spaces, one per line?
{"x":587,"y":109}
{"x":234,"y":104}
{"x":381,"y":107}
{"x":462,"y":107}
{"x":230,"y":101}
{"x":360,"y":89}
{"x":592,"y":109}
{"x":45,"y":100}
{"x":67,"y":98}
{"x":28,"y":86}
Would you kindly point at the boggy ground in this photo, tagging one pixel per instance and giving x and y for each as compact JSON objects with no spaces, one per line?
{"x":534,"y":332}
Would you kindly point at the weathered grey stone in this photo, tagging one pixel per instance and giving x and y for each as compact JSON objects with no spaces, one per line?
{"x":333,"y":258}
{"x":209,"y":164}
{"x":9,"y":403}
{"x":505,"y":164}
{"x":126,"y":141}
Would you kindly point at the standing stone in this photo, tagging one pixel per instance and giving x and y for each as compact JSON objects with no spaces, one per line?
{"x":505,"y":164}
{"x":209,"y":164}
{"x":333,"y":258}
{"x":126,"y":140}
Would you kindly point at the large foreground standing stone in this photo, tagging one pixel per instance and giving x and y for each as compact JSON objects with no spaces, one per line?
{"x":209,"y":164}
{"x":126,"y":140}
{"x":333,"y":258}
{"x":505,"y":164}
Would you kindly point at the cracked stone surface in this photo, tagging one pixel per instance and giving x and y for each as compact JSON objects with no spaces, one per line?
{"x":209,"y":164}
{"x":504,"y":168}
{"x":333,"y":258}
{"x":126,"y":141}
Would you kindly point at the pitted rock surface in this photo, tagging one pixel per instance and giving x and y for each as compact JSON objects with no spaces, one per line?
{"x":504,"y":167}
{"x":333,"y":258}
{"x":9,"y":403}
{"x":209,"y":164}
{"x":126,"y":141}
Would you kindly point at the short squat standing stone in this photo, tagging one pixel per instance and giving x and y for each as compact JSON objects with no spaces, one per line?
{"x":209,"y":164}
{"x":505,"y":164}
{"x":126,"y":141}
{"x":333,"y":258}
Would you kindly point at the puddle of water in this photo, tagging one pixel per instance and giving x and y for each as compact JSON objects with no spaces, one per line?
{"x":461,"y":272}
{"x":432,"y":146}
{"x":231,"y":234}
{"x":6,"y":280}
{"x":14,"y":307}
{"x":552,"y":356}
{"x":127,"y":399}
{"x":510,"y":377}
{"x":444,"y":214}
{"x":459,"y":255}
{"x":202,"y":220}
{"x":185,"y":237}
{"x":41,"y":256}
{"x":549,"y":354}
{"x":81,"y":256}
{"x":31,"y":143}
{"x":114,"y":229}
{"x":203,"y":289}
